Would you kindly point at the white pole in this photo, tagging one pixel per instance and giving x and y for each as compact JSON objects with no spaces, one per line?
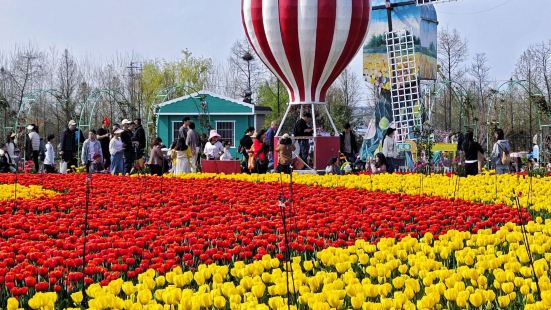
{"x":330,"y":119}
{"x":314,"y":121}
{"x":283,"y":119}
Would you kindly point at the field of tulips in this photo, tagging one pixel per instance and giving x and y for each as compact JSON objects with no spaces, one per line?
{"x":216,"y":241}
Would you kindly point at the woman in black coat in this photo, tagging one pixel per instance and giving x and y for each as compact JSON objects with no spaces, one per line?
{"x":471,"y":149}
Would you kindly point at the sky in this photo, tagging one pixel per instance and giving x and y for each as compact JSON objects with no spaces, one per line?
{"x":160,"y":29}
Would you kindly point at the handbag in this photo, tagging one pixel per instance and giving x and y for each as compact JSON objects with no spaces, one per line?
{"x":505,"y":157}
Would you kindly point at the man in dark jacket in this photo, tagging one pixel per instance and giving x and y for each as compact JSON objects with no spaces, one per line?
{"x":129,"y":151}
{"x":349,"y":145}
{"x":104,"y":138}
{"x":269,"y":141}
{"x":139,"y":136}
{"x":245,"y":145}
{"x":70,"y":141}
{"x":302,"y":130}
{"x":182,"y":132}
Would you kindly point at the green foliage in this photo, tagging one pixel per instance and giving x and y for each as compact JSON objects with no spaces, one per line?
{"x":267,"y":97}
{"x":340,"y":111}
{"x":166,"y":80}
{"x":537,"y":172}
{"x":377,"y":41}
{"x":163,"y":81}
{"x":542,"y":104}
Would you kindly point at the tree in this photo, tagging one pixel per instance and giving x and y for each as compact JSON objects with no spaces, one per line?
{"x":542,"y":55}
{"x":68,"y":81}
{"x":343,"y":98}
{"x":244,"y":68}
{"x":25,"y":69}
{"x":273,"y":94}
{"x":188,"y":75}
{"x":480,"y":70}
{"x":526,"y":70}
{"x":452,"y":53}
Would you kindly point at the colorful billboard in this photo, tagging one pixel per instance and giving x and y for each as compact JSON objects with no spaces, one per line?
{"x":421,"y":21}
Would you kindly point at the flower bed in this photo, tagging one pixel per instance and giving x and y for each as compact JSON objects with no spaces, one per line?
{"x":486,"y":188}
{"x":140,"y":223}
{"x":8,"y":192}
{"x":458,"y":270}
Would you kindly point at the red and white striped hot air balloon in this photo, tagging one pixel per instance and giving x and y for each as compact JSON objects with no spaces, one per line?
{"x":306,"y":43}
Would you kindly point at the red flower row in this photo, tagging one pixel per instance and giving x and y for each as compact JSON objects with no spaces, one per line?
{"x":140,"y":223}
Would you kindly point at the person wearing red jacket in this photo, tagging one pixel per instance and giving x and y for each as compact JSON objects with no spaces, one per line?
{"x":259,"y":152}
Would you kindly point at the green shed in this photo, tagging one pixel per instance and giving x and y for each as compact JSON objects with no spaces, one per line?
{"x":207,"y":110}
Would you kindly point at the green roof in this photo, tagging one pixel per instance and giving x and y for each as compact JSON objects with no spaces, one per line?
{"x":216,"y":105}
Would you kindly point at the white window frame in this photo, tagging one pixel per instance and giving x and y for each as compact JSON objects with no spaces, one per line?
{"x":172,"y":131}
{"x":228,"y":121}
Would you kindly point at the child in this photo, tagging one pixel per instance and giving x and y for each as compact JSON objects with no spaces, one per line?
{"x":49,"y":158}
{"x":227,"y":154}
{"x":284,"y":149}
{"x":333,"y":167}
{"x":378,"y":165}
{"x":96,"y":166}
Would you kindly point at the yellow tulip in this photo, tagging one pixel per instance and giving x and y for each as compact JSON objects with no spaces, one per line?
{"x":219,"y":302}
{"x":160,"y":281}
{"x":128,"y":288}
{"x":503,"y":301}
{"x":462,"y":298}
{"x":398,"y":283}
{"x":308,"y":265}
{"x":451,"y":294}
{"x":357,"y":301}
{"x":77,"y":297}
{"x":507,"y":287}
{"x":334,"y":301}
{"x":13,"y":304}
{"x":199,"y":278}
{"x":144,"y":296}
{"x":476,"y":299}
{"x":258,"y":290}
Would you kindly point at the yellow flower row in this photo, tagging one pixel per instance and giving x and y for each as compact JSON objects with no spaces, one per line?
{"x":485,"y":188}
{"x":11,"y":191}
{"x":456,"y":270}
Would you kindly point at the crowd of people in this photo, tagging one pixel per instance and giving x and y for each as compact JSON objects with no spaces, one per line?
{"x":120,"y":150}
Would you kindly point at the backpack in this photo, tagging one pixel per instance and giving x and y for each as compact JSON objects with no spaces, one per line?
{"x":505,"y":157}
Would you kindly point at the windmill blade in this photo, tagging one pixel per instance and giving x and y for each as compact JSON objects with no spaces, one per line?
{"x":404,"y":80}
{"x":426,"y":2}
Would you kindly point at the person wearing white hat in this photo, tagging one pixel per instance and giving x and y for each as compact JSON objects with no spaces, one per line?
{"x":34,"y":139}
{"x":213,"y":148}
{"x":70,"y":141}
{"x":116,"y":149}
